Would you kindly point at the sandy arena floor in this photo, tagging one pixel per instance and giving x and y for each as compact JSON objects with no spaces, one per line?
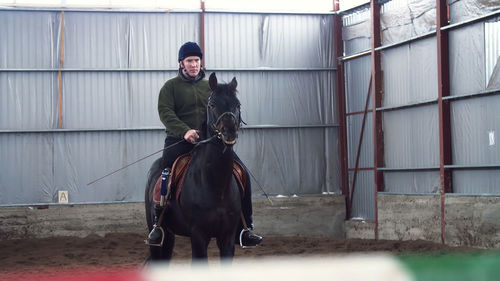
{"x":128,"y":250}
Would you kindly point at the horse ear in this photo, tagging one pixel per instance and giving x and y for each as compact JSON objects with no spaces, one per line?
{"x":212,"y":81}
{"x":233,"y":84}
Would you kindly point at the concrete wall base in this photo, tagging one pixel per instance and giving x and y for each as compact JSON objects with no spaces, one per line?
{"x":360,"y":229}
{"x":472,"y":221}
{"x":311,"y":216}
{"x":307,"y":216}
{"x":409,"y":217}
{"x":71,"y":220}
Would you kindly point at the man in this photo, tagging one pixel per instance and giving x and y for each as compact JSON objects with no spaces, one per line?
{"x":181,"y":105}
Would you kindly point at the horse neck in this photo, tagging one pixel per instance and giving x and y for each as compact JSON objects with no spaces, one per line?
{"x":220,"y":165}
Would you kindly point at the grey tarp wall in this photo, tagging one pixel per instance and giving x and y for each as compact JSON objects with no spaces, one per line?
{"x":103,"y":116}
{"x":409,"y":104}
{"x":475,"y":69}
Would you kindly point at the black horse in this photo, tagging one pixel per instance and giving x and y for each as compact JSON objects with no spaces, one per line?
{"x":209,"y":204}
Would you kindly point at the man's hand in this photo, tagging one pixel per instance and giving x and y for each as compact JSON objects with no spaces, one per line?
{"x":191,"y":136}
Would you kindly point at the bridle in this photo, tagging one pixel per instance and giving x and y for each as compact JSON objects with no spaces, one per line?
{"x":217,"y":125}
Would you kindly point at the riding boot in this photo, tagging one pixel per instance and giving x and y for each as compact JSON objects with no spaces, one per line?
{"x":247,"y":238}
{"x":157,"y":235}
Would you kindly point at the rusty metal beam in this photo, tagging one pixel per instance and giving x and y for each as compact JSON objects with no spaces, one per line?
{"x":202,"y":32}
{"x":378,"y":136}
{"x":443,"y":105}
{"x":443,"y":91}
{"x":341,"y":108}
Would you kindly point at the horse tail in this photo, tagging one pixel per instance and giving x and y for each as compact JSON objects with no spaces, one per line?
{"x":153,"y":175}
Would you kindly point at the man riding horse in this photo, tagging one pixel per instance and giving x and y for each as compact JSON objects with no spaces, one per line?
{"x":181,"y":105}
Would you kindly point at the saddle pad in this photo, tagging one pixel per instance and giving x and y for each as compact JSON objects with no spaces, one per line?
{"x":179,"y":169}
{"x":241,"y":176}
{"x":156,"y":191}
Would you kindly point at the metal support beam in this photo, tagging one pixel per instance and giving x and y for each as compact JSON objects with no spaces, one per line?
{"x":341,"y":108}
{"x":443,"y":105}
{"x":378,"y":136}
{"x":202,"y":31}
{"x":132,"y":129}
{"x":443,"y":91}
{"x":377,"y":95}
{"x":234,"y":69}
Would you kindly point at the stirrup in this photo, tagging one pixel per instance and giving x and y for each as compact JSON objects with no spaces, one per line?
{"x":241,"y":240}
{"x":162,"y":238}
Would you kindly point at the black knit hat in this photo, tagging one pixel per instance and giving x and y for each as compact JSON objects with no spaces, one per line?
{"x":190,"y":49}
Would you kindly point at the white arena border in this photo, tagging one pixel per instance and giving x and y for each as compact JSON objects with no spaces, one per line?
{"x":358,"y":267}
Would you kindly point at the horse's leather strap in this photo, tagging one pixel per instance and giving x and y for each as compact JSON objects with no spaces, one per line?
{"x":179,"y":171}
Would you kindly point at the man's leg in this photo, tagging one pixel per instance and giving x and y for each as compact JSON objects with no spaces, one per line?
{"x":245,"y":235}
{"x":157,"y":234}
{"x":248,"y":238}
{"x":169,"y":156}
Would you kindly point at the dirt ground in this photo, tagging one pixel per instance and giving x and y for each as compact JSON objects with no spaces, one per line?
{"x":127,"y":250}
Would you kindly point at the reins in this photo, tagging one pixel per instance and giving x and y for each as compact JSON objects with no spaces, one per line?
{"x":217,"y":134}
{"x":130,"y":164}
{"x":196,"y":143}
{"x":151,"y":154}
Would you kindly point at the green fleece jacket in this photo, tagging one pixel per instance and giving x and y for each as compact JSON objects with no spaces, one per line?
{"x":182,"y":104}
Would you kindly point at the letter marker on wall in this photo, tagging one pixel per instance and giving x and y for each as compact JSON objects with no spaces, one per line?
{"x":63,"y":196}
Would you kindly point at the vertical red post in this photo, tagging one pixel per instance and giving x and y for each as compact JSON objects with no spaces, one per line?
{"x":341,"y":108}
{"x":202,"y":32}
{"x":378,"y":135}
{"x":443,"y":105}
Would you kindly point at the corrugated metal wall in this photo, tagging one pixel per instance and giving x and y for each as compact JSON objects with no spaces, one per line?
{"x":409,"y":105}
{"x":104,"y":116}
{"x":116,"y":62}
{"x":475,"y":71}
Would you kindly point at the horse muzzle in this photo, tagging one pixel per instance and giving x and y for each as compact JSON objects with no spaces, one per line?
{"x":228,"y":141}
{"x":227,"y":128}
{"x":228,"y":138}
{"x":228,"y":134}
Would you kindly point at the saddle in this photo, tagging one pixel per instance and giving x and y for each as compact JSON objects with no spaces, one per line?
{"x":178,"y":174}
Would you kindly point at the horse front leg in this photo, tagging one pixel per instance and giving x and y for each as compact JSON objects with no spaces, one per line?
{"x":199,"y":245}
{"x":226,"y":248}
{"x":163,"y":253}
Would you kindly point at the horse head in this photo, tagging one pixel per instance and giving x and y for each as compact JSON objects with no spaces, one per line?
{"x":223,"y":111}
